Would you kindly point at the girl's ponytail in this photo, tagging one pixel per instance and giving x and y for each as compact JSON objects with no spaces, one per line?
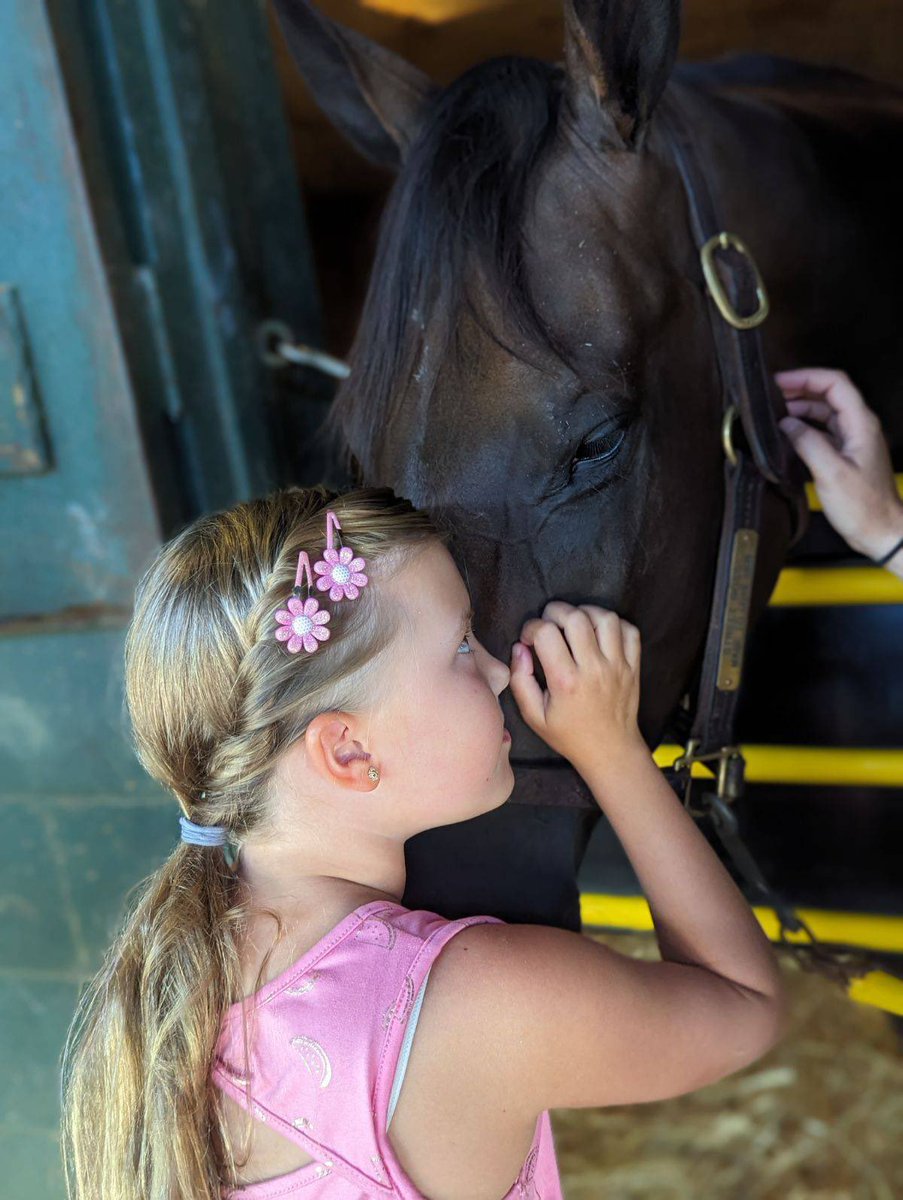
{"x":138,"y":1110}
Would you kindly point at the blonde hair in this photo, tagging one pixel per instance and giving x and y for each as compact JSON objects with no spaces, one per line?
{"x":213,"y":699}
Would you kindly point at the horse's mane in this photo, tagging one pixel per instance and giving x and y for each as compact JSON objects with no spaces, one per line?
{"x":453,"y":215}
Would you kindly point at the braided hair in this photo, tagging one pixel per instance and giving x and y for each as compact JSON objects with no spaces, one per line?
{"x":213,"y":700}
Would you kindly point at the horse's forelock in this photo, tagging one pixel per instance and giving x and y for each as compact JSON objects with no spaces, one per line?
{"x":454,"y":217}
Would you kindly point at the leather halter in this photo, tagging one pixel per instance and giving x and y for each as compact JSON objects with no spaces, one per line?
{"x":737,"y":305}
{"x":734,"y":287}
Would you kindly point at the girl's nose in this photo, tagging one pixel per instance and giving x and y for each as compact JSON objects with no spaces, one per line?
{"x":504,"y":675}
{"x":499,"y":668}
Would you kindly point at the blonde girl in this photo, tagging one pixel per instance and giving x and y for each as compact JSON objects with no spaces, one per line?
{"x":252,"y":1025}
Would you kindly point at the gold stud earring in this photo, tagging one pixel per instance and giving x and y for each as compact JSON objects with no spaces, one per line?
{"x":373,"y":773}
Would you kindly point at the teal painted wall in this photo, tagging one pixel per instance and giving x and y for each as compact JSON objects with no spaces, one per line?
{"x":150,"y":221}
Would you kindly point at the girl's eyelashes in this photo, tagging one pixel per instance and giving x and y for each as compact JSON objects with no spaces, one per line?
{"x":469,"y":634}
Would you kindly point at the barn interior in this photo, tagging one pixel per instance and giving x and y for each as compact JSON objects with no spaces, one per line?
{"x":170,"y":186}
{"x":817,"y":675}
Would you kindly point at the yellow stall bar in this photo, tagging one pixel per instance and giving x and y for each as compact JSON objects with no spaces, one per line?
{"x":826,"y":765}
{"x":875,"y":931}
{"x":836,"y":585}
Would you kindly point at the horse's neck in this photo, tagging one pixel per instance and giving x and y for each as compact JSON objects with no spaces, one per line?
{"x":800,"y":169}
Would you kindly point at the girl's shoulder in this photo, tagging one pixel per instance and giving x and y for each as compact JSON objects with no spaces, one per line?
{"x":456,"y":1128}
{"x":537,"y":1018}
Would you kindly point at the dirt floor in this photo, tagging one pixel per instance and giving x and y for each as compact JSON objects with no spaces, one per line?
{"x":820,"y":1117}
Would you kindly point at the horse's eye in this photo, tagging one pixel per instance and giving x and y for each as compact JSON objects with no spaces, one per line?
{"x":603,"y":446}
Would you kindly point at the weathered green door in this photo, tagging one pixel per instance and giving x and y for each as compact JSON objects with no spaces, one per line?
{"x":150,"y":223}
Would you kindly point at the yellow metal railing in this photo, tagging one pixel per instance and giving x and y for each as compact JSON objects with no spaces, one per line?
{"x":797,"y":765}
{"x":829,"y":765}
{"x":871,"y":930}
{"x":836,"y":585}
{"x":843,"y":767}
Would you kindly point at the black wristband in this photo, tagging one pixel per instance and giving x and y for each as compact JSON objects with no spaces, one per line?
{"x":879,"y":562}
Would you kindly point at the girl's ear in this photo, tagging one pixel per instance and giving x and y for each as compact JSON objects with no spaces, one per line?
{"x":373,"y":96}
{"x":619,"y":55}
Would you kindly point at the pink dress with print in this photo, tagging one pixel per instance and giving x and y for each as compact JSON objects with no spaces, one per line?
{"x":329,"y":1042}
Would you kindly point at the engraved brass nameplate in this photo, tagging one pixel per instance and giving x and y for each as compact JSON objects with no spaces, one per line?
{"x":736,"y":617}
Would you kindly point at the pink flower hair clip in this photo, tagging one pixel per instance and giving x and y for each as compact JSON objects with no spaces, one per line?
{"x":339,"y":570}
{"x":302,"y":624}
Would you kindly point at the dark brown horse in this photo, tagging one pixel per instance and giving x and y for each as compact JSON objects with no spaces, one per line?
{"x":534,"y":364}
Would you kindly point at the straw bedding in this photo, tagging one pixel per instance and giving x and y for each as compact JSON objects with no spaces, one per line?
{"x":820,"y":1117}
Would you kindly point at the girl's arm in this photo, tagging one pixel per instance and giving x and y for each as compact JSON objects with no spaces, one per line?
{"x":590,"y":658}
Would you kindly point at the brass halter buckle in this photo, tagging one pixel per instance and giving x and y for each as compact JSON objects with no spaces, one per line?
{"x":727,"y":434}
{"x":729,"y":773}
{"x":721,"y":241}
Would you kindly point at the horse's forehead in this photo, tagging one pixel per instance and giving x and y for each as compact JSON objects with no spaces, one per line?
{"x":500,"y":420}
{"x":611,"y":200}
{"x":502,"y":395}
{"x":593,"y":182}
{"x":597,"y":277}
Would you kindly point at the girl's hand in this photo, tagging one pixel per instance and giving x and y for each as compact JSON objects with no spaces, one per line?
{"x":591,"y":661}
{"x":847,"y":456}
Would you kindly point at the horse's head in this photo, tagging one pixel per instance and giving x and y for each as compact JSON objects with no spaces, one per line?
{"x":534,"y":363}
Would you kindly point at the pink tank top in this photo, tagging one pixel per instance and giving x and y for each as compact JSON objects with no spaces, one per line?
{"x":329,"y":1040}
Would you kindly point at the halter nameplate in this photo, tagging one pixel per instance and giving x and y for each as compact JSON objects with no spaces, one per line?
{"x":736,"y":609}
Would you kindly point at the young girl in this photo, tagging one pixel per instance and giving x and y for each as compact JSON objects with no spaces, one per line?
{"x":302,"y":674}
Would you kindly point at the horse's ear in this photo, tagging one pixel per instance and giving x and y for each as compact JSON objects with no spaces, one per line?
{"x":619,"y":55}
{"x":372,"y":96}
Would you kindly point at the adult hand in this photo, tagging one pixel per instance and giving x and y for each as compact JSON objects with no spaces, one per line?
{"x":840,"y":440}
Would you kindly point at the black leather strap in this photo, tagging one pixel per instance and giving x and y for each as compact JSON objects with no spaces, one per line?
{"x":746,"y":381}
{"x":716,"y":706}
{"x":749,"y":388}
